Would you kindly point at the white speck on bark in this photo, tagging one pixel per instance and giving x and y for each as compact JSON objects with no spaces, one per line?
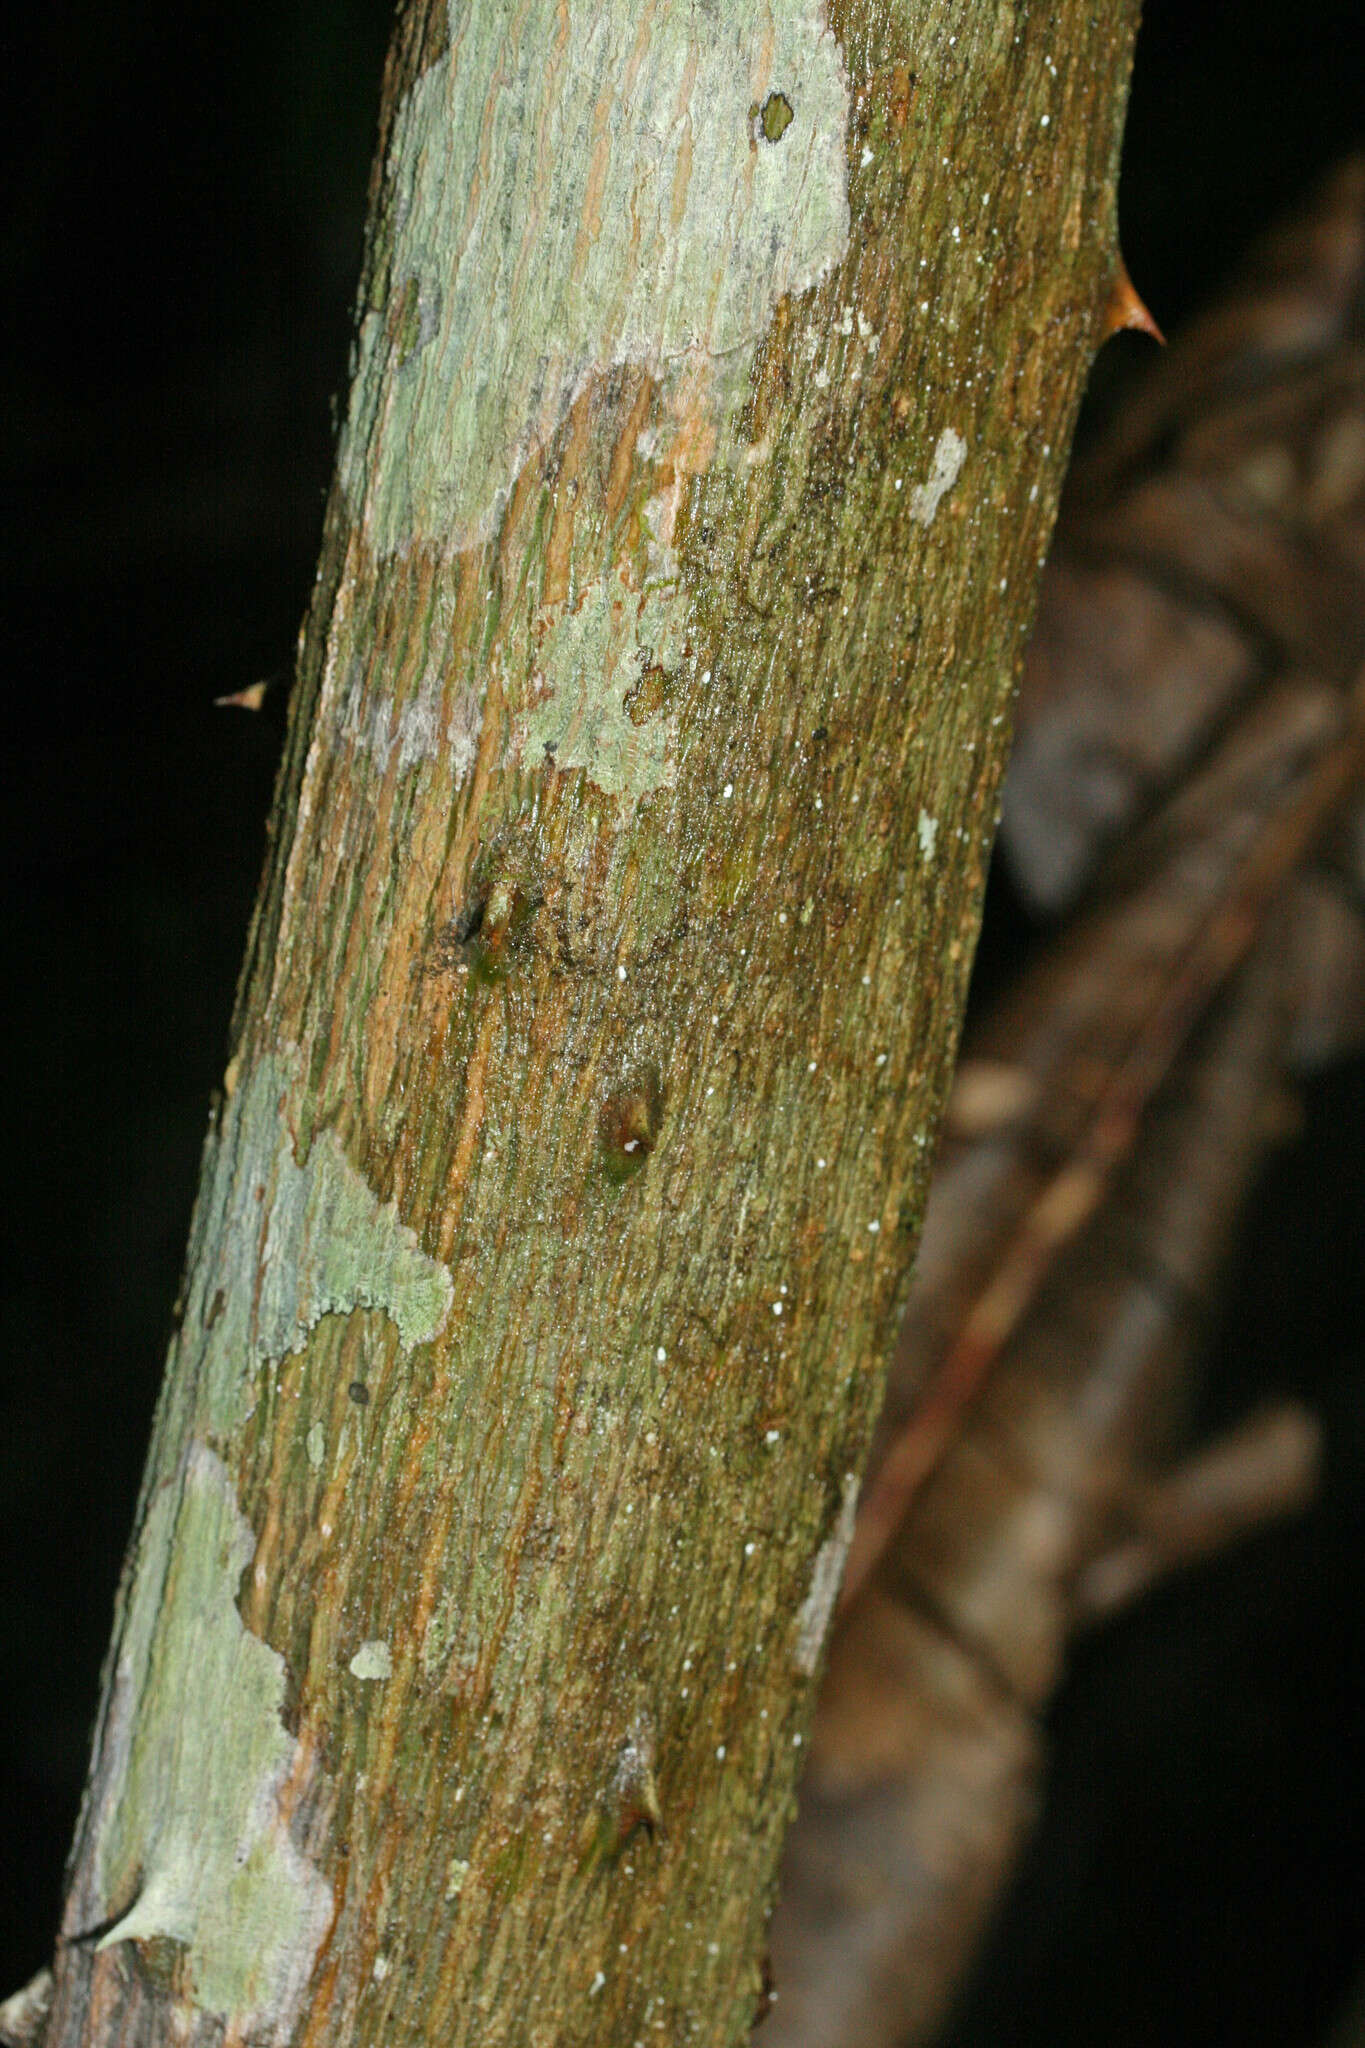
{"x":950,"y":453}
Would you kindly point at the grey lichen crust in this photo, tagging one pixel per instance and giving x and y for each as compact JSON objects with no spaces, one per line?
{"x":611,"y":193}
{"x":279,"y":1245}
{"x":194,"y":1833}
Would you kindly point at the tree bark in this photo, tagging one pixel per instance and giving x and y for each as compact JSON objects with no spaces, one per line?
{"x":714,"y":374}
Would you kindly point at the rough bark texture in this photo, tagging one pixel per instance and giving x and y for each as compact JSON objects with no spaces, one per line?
{"x":714,"y":377}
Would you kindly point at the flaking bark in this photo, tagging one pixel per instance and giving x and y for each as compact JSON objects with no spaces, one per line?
{"x":601,"y":995}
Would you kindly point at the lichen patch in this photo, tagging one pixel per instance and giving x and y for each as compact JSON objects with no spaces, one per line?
{"x":372,"y":1660}
{"x":421,"y":728}
{"x":196,"y":1832}
{"x":279,"y":1245}
{"x":602,"y":672}
{"x":926,"y":830}
{"x":950,"y":452}
{"x":550,"y":221}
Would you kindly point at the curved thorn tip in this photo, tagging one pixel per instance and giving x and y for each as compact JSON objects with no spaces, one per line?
{"x":1125,"y":309}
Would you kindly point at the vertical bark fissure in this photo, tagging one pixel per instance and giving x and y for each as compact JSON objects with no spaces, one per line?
{"x":627,"y":863}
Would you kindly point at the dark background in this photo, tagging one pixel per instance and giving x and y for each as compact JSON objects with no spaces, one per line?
{"x":181,"y":233}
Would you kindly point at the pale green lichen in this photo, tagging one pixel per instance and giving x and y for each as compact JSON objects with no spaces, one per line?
{"x":279,"y":1245}
{"x":597,"y":665}
{"x":194,"y":1834}
{"x":373,"y":1659}
{"x":950,"y":452}
{"x":926,"y":828}
{"x":617,"y":203}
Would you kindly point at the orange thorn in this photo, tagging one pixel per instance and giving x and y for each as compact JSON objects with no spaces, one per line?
{"x":1125,"y":309}
{"x":249,"y":699}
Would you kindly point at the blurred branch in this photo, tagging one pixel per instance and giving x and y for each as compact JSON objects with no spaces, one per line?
{"x":926,"y":1760}
{"x":1265,"y":1468}
{"x":1202,"y":952}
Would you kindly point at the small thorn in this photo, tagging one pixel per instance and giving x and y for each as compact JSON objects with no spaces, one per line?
{"x":1125,"y":309}
{"x":630,"y":1801}
{"x":249,"y":699}
{"x":635,"y":1796}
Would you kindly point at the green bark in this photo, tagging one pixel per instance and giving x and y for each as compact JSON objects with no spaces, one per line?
{"x":714,"y":374}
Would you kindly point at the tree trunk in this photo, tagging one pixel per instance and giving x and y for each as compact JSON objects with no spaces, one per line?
{"x":715,"y":370}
